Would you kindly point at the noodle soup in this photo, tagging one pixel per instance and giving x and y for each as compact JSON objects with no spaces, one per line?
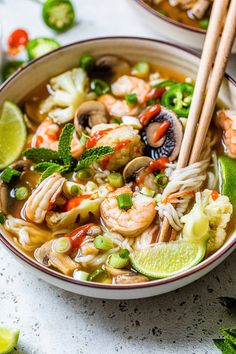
{"x":97,"y":174}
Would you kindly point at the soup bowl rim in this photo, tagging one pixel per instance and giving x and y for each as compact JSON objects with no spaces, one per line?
{"x":154,"y":12}
{"x":151,"y":284}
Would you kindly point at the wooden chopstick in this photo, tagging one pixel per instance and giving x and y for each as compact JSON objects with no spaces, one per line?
{"x":218,"y":71}
{"x":208,"y":55}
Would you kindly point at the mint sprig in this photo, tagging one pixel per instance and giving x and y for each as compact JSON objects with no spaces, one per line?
{"x":38,"y":155}
{"x":92,"y":155}
{"x":8,"y":174}
{"x":64,"y":149}
{"x":52,"y":169}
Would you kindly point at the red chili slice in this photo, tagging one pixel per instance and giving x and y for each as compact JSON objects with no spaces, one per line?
{"x":150,"y":112}
{"x":161,"y":131}
{"x":17,"y":40}
{"x":78,"y":235}
{"x":155,"y":93}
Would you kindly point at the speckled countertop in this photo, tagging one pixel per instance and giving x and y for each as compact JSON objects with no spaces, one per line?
{"x":55,"y":321}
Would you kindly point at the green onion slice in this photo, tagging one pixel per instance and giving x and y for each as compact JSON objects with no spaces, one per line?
{"x":80,"y":275}
{"x":131,"y":98}
{"x":21,"y":193}
{"x":124,"y":201}
{"x":97,"y":274}
{"x":115,"y":179}
{"x":83,"y":175}
{"x":62,"y":245}
{"x":100,"y":87}
{"x":141,"y":69}
{"x":103,"y":243}
{"x":161,"y":180}
{"x":87,"y":62}
{"x":119,"y":260}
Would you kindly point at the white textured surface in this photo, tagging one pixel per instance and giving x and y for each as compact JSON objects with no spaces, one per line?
{"x":54,"y":321}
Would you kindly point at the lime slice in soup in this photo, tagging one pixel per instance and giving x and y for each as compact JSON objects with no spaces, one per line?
{"x":12,"y":133}
{"x":228,"y":178}
{"x":8,"y":339}
{"x":167,"y":259}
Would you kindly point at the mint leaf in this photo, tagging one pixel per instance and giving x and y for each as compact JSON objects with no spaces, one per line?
{"x":7,"y":174}
{"x":52,"y":169}
{"x":225,"y":346}
{"x":92,"y":155}
{"x":42,"y":166}
{"x":64,"y":149}
{"x":37,"y":155}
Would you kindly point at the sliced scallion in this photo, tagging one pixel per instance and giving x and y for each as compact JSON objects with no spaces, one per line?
{"x":87,"y":62}
{"x":84,"y":138}
{"x":141,"y":69}
{"x":80,"y":275}
{"x":119,"y":260}
{"x":103,"y":243}
{"x":115,"y":179}
{"x":100,"y":87}
{"x":61,"y":245}
{"x":83,"y":175}
{"x":71,"y":189}
{"x":21,"y":193}
{"x":131,"y":98}
{"x":97,"y":274}
{"x":2,"y":218}
{"x":124,"y":201}
{"x":161,"y":180}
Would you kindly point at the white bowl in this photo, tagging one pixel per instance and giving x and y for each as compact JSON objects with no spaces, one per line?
{"x":178,"y":32}
{"x":62,"y":59}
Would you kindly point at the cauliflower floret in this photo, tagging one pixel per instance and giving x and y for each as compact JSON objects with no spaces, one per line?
{"x":208,"y":219}
{"x":68,"y":91}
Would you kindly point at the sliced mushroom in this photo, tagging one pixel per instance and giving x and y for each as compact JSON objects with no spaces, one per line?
{"x":167,"y":146}
{"x":110,"y":67}
{"x":135,"y":166}
{"x":46,"y":256}
{"x":129,"y":278}
{"x":21,"y":165}
{"x":4,"y":196}
{"x":115,"y":271}
{"x":89,"y":114}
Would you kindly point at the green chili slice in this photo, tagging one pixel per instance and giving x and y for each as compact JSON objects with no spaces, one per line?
{"x":40,"y":46}
{"x":58,"y":15}
{"x":179,"y":98}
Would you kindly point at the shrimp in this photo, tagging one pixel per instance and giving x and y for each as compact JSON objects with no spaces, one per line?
{"x":47,"y":136}
{"x":227,"y":121}
{"x":147,"y":237}
{"x":118,"y":108}
{"x":43,"y":198}
{"x":132,"y":222}
{"x":129,"y":84}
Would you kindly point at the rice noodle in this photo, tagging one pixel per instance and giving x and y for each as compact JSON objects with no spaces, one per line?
{"x":187,"y":179}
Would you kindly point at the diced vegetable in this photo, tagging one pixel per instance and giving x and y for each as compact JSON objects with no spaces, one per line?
{"x":11,"y":67}
{"x":141,"y":69}
{"x":87,"y":62}
{"x":62,"y":245}
{"x":204,"y":23}
{"x":119,"y":260}
{"x":83,"y":175}
{"x":131,"y":99}
{"x":8,"y":174}
{"x":59,"y":15}
{"x":103,"y":243}
{"x":39,"y":46}
{"x":80,"y":275}
{"x":21,"y":193}
{"x":100,"y":87}
{"x":115,"y":179}
{"x":124,"y":201}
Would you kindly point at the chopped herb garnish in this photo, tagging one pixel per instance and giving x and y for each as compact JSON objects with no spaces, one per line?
{"x":9,"y":173}
{"x":52,"y":169}
{"x":124,"y":201}
{"x":64,"y":144}
{"x":37,"y":155}
{"x":131,"y":98}
{"x":2,"y":218}
{"x":92,"y":155}
{"x":42,"y":166}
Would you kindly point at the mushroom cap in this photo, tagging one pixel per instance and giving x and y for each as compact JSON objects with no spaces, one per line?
{"x":21,"y":165}
{"x":171,"y":142}
{"x":89,"y":114}
{"x":110,"y":67}
{"x":129,"y":278}
{"x":134,"y":166}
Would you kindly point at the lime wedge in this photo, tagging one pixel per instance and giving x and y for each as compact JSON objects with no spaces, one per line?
{"x":167,"y":259}
{"x":12,"y":133}
{"x":8,"y":339}
{"x":228,"y":178}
